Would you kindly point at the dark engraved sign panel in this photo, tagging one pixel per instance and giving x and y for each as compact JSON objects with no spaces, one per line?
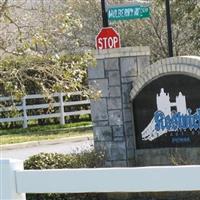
{"x":167,"y":113}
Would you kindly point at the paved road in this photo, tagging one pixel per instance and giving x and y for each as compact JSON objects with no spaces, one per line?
{"x":66,"y":147}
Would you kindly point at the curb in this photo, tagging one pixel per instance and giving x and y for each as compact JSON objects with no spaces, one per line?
{"x":45,"y":142}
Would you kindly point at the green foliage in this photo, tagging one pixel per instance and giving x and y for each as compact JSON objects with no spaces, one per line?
{"x":86,"y":159}
{"x":46,"y":129}
{"x":47,"y":135}
{"x":20,"y":75}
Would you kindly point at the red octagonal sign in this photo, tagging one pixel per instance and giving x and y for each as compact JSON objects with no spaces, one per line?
{"x":107,"y":38}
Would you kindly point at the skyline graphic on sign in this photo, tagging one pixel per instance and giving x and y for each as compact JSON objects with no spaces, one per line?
{"x":170,"y":116}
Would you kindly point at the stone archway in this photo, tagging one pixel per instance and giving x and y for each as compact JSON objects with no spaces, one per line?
{"x":189,"y":65}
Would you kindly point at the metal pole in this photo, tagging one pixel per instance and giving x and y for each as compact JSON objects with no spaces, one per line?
{"x":169,"y":29}
{"x":104,"y":13}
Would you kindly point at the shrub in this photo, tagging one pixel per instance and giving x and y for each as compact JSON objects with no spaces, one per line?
{"x":86,"y":159}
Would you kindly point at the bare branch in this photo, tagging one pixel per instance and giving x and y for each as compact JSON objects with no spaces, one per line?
{"x":3,"y":7}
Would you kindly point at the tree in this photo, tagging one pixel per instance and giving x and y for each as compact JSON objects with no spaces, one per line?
{"x":152,"y":32}
{"x":20,"y":75}
{"x":66,"y":26}
{"x":41,"y":27}
{"x":148,"y":32}
{"x":32,"y":46}
{"x":186,"y":20}
{"x":47,"y":31}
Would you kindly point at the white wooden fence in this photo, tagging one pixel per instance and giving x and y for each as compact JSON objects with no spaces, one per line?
{"x":15,"y":181}
{"x":61,"y":104}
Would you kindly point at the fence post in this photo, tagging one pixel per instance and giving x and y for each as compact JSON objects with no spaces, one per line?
{"x":62,"y":112}
{"x":8,"y":179}
{"x":25,"y":118}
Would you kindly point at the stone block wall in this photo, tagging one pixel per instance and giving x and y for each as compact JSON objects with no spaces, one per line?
{"x":112,"y":114}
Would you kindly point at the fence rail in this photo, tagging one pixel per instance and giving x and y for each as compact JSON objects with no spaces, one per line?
{"x":61,"y":104}
{"x":17,"y":182}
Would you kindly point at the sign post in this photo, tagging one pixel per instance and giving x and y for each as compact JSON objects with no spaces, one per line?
{"x":169,"y":29}
{"x":107,"y":38}
{"x":104,"y":13}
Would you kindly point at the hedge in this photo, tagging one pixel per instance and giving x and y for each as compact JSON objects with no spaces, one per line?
{"x":86,"y":159}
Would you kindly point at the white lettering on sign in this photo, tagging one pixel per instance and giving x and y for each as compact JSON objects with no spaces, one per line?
{"x":107,"y":38}
{"x":137,"y":11}
{"x":110,"y":42}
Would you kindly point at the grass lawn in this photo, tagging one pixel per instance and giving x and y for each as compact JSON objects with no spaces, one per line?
{"x":11,"y":136}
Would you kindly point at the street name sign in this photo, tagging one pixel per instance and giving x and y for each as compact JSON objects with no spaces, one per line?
{"x":126,"y":12}
{"x":107,"y":38}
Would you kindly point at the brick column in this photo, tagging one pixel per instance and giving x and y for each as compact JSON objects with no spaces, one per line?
{"x":112,"y":114}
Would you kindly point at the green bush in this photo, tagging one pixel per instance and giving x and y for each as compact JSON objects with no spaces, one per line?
{"x":86,"y":159}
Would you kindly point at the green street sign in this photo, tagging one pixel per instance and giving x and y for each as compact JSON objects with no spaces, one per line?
{"x":127,"y":12}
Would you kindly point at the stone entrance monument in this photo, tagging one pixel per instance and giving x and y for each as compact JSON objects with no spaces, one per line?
{"x":131,"y":120}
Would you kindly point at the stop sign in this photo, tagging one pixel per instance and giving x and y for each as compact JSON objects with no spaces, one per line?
{"x":107,"y":38}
